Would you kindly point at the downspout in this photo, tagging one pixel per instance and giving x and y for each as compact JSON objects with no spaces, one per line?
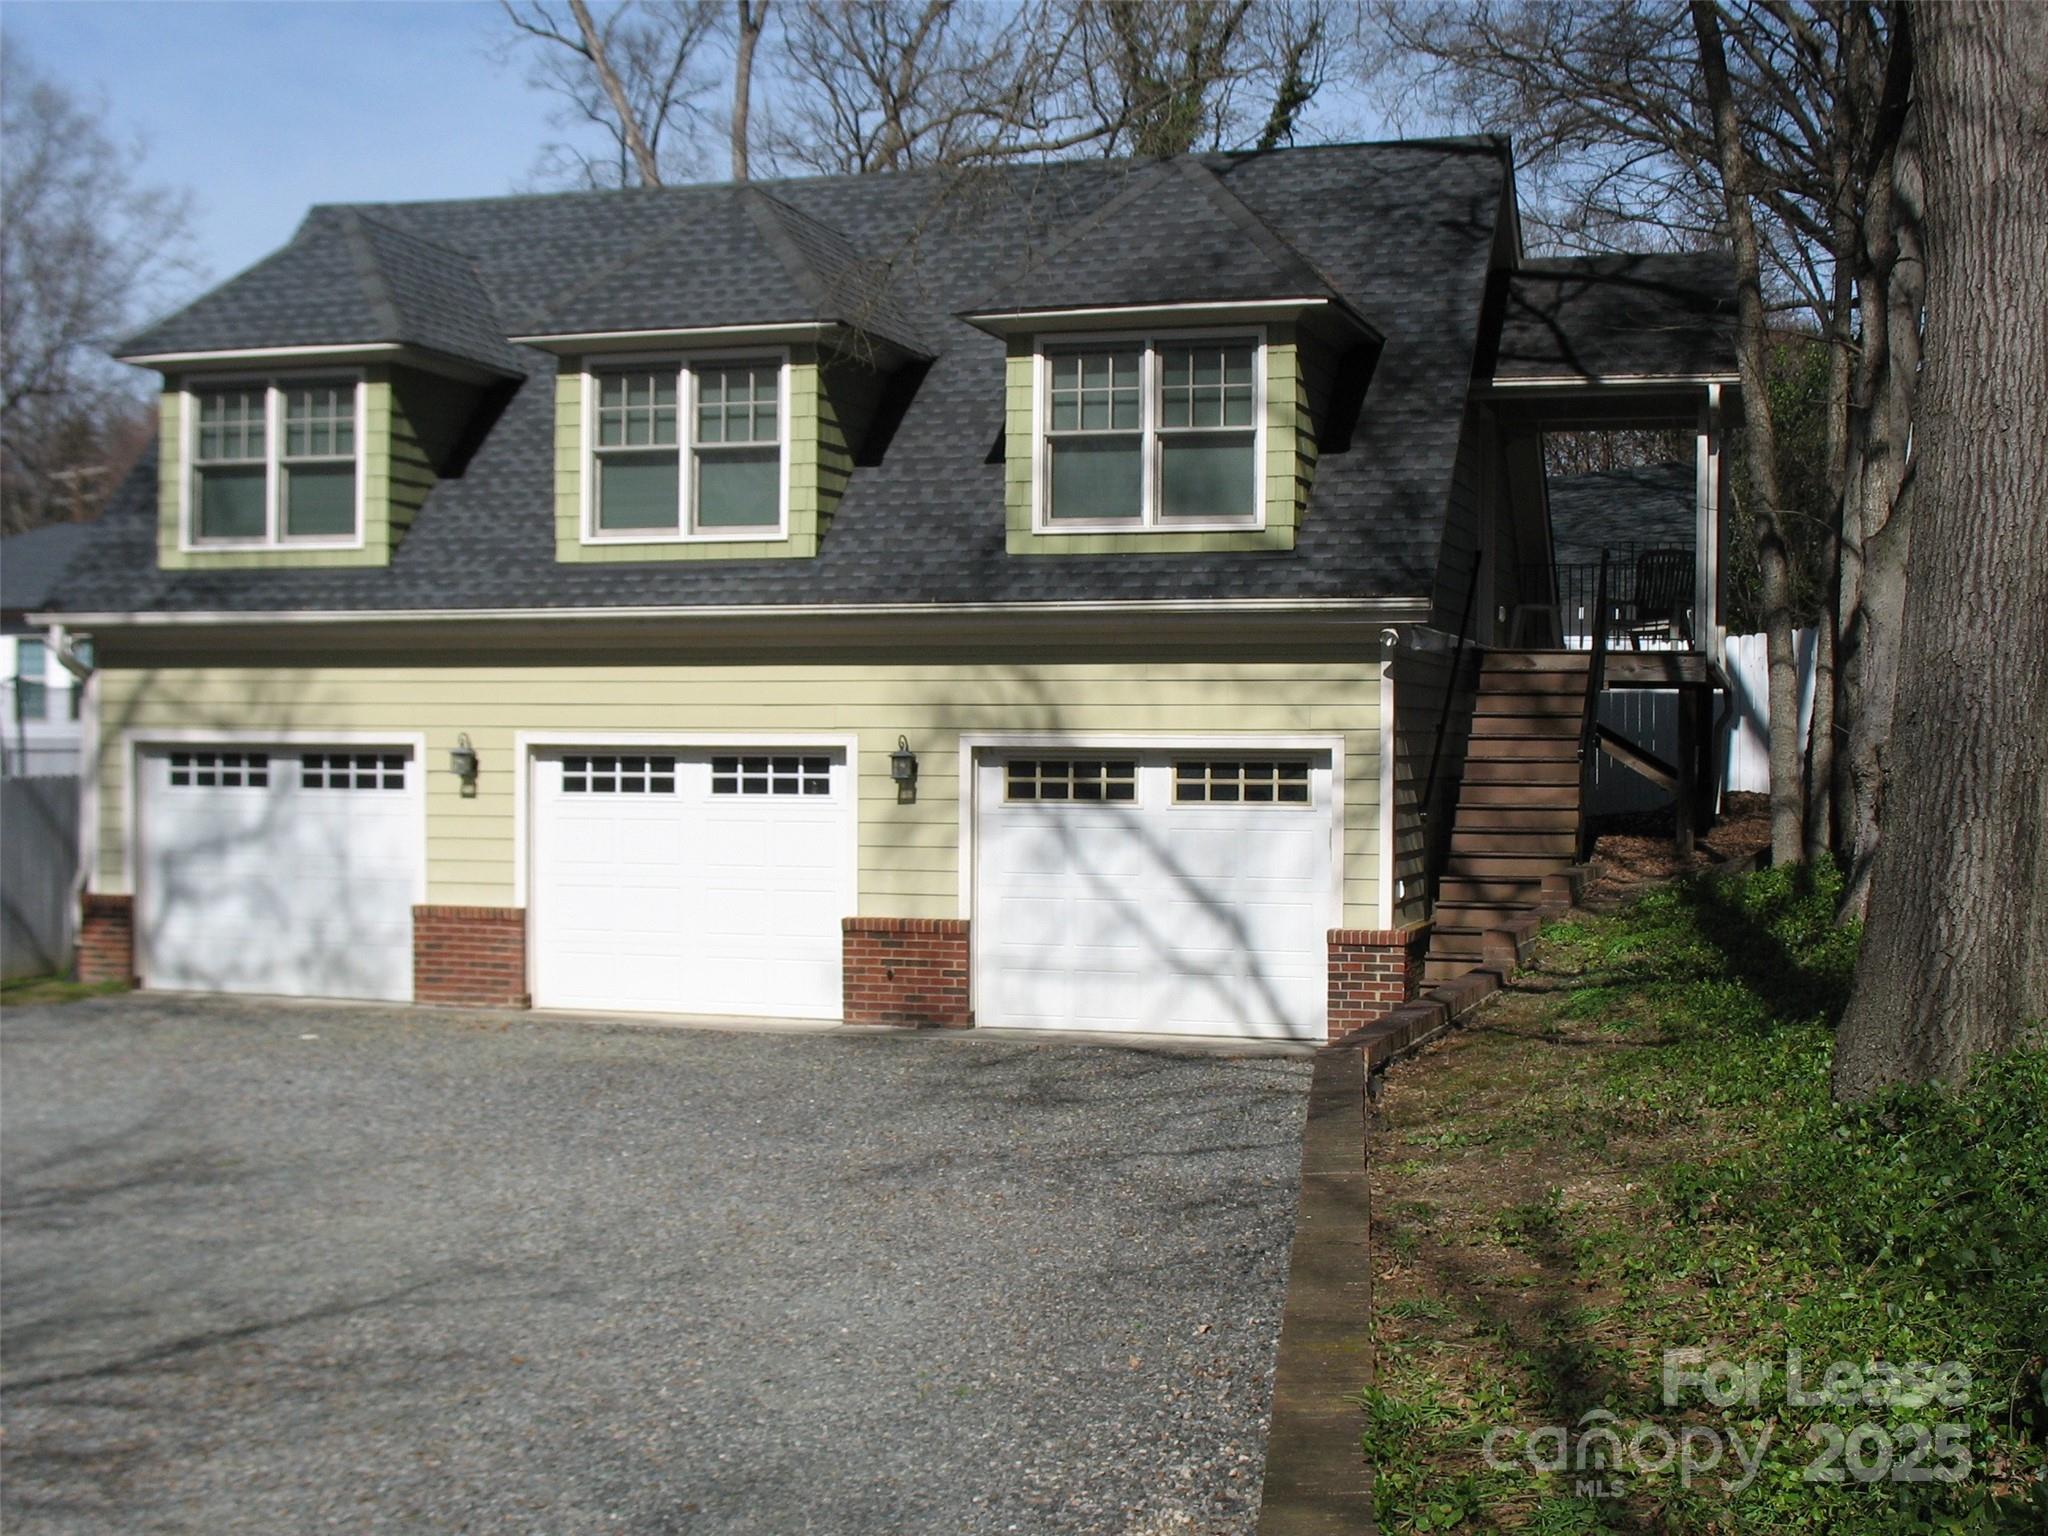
{"x":1390,"y":644}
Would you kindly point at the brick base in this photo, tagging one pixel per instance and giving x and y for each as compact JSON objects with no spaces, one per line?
{"x":902,"y":970}
{"x":470,"y":957}
{"x":106,"y":939}
{"x":1372,"y":972}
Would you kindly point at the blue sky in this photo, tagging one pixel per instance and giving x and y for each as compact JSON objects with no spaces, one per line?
{"x":265,"y":107}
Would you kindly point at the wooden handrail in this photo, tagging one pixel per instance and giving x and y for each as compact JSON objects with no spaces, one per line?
{"x":1431,"y":842}
{"x":1589,"y":722}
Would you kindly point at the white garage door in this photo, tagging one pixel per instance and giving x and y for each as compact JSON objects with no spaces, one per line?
{"x":692,"y":882}
{"x":279,"y":869}
{"x":1177,"y":893}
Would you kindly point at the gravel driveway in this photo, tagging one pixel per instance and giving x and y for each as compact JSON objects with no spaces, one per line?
{"x":281,"y":1268}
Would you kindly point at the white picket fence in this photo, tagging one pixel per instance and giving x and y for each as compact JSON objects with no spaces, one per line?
{"x":1651,"y":719}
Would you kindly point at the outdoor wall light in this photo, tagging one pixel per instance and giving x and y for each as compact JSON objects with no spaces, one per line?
{"x":903,"y":769}
{"x":462,"y":763}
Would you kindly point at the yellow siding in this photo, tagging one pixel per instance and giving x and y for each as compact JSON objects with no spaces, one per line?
{"x":909,"y":865}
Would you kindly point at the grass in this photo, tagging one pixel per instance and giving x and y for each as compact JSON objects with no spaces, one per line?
{"x":53,"y":989}
{"x":1633,"y":1151}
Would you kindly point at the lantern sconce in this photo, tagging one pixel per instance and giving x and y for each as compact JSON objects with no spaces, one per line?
{"x":462,"y":763}
{"x":903,"y":769}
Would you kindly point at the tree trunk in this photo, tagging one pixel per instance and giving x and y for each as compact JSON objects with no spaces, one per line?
{"x":753,"y":16}
{"x":607,"y":77}
{"x":1752,"y":346}
{"x":1955,"y":956}
{"x":1877,"y":513}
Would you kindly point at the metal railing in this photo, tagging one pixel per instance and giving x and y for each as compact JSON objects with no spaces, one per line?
{"x":1435,"y":843}
{"x":1648,"y":604}
{"x":1589,"y":721}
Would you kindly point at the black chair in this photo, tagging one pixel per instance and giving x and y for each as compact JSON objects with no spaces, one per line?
{"x":1660,"y":607}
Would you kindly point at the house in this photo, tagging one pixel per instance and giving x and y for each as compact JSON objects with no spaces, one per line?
{"x":39,"y":708}
{"x":1057,"y":597}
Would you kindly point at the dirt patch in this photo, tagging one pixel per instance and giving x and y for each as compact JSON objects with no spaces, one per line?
{"x":1633,"y":851}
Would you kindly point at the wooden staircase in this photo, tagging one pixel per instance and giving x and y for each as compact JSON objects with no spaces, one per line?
{"x":1517,"y":813}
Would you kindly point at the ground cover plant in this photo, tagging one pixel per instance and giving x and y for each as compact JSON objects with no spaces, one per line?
{"x":1632,"y":1154}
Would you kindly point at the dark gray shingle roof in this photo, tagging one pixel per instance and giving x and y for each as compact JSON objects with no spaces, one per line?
{"x":1202,"y":245}
{"x":1649,"y":507}
{"x":32,"y":563}
{"x":1618,"y":317}
{"x":731,"y":255}
{"x":1401,"y":232}
{"x":344,"y":279}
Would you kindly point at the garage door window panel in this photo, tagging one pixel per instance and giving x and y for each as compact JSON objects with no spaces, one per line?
{"x":771,"y":775}
{"x":1234,"y":781}
{"x":618,"y":774}
{"x":378,"y":771}
{"x":219,"y":770}
{"x":1067,"y":779}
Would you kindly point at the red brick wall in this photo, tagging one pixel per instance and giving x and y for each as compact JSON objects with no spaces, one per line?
{"x":473,"y":957}
{"x":106,"y":938}
{"x":1373,"y":970}
{"x":902,"y":970}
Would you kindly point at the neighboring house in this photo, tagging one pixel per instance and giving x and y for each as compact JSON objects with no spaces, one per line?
{"x":39,"y":726}
{"x":1030,"y":598}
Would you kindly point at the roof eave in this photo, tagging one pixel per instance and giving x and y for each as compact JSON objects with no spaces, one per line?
{"x":425,"y":359}
{"x":1314,"y":309}
{"x":763,"y":333}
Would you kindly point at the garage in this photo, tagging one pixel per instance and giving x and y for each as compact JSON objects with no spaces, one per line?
{"x":279,"y":869}
{"x":706,"y":881}
{"x":1169,"y":892}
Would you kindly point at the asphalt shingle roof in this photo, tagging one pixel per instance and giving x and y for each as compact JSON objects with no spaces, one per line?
{"x":1619,"y":316}
{"x":733,"y":255}
{"x":1648,"y":507}
{"x":1204,"y":246}
{"x":32,"y":563}
{"x":1402,"y":233}
{"x":344,"y":279}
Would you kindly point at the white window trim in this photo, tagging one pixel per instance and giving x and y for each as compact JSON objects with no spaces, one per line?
{"x":1148,"y":521}
{"x":685,"y":365}
{"x":274,"y":385}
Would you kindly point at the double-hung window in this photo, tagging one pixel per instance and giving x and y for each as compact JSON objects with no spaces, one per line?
{"x":691,"y":450}
{"x":1154,"y":433}
{"x":31,"y":679}
{"x":275,"y":463}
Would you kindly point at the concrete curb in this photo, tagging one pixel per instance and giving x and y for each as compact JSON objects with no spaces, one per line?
{"x":1316,"y":1479}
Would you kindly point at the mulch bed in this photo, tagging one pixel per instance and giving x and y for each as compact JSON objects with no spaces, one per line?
{"x":1633,"y":851}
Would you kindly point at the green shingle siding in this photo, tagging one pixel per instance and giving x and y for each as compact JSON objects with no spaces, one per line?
{"x":1289,"y":467}
{"x":403,"y":414}
{"x":827,"y":406}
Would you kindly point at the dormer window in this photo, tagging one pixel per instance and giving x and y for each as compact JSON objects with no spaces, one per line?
{"x":1151,"y":432}
{"x":690,"y":450}
{"x":274,"y":463}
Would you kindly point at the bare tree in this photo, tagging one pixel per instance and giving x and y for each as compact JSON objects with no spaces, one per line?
{"x":1955,"y":955}
{"x":752,"y":17}
{"x":639,"y":76}
{"x":880,"y":85}
{"x":1617,"y":145}
{"x":1752,"y":344}
{"x":85,"y":246}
